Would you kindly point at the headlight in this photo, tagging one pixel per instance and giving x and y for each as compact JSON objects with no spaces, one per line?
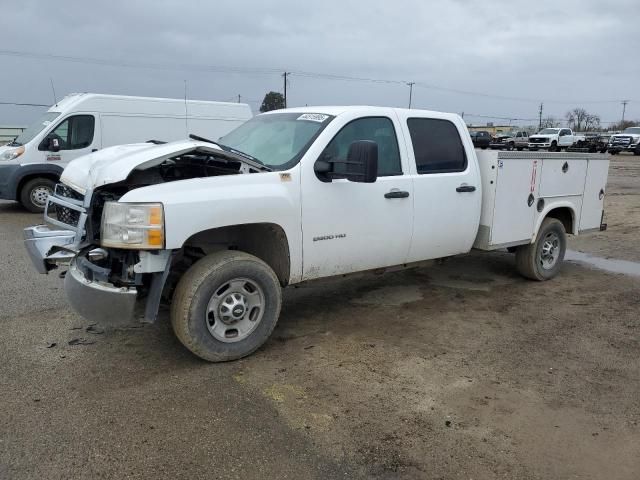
{"x":133,"y":225}
{"x":12,"y":154}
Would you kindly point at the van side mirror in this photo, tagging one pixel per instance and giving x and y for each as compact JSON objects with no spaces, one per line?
{"x":361,"y":165}
{"x":50,"y":143}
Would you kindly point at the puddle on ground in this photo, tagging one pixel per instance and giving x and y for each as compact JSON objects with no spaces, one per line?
{"x":610,"y":265}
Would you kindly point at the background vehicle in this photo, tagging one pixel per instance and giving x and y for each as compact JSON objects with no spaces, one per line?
{"x":83,"y":123}
{"x":593,"y":142}
{"x":296,"y":195}
{"x":511,"y":141}
{"x":627,"y":141}
{"x":553,"y":139}
{"x":480,"y":139}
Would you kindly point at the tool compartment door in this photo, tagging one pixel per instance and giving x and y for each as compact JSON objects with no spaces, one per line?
{"x":514,"y":211}
{"x":562,"y":177}
{"x":594,"y":190}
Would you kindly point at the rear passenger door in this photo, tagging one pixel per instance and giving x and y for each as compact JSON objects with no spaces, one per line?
{"x":446,"y":186}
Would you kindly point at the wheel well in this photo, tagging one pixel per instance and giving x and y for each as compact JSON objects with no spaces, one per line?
{"x":267,"y":241}
{"x":31,"y":176}
{"x":565,"y":215}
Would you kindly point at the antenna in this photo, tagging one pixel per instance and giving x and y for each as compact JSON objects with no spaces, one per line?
{"x":186,"y":117}
{"x":55,"y":100}
{"x":410,"y":85}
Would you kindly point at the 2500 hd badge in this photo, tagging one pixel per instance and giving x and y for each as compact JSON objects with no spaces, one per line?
{"x":329,"y":237}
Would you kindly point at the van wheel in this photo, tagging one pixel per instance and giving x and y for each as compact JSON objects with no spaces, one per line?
{"x":35,"y":192}
{"x":543,"y":259}
{"x":226,"y":306}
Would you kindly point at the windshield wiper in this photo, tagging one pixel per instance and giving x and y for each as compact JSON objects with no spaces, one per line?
{"x":230,"y":150}
{"x":13,"y":143}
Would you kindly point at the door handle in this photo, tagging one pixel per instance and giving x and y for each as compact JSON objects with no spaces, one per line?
{"x":396,"y":194}
{"x":465,"y":188}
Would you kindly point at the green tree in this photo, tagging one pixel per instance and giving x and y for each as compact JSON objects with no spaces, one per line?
{"x":272,"y":101}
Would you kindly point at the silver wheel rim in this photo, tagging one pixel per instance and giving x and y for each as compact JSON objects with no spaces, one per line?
{"x":235,"y":310}
{"x":549,"y":251}
{"x":39,"y":196}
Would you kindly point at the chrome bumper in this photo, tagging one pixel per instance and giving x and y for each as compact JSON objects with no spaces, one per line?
{"x":47,"y":248}
{"x":97,"y":300}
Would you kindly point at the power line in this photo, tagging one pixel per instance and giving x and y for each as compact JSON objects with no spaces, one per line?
{"x":274,"y":71}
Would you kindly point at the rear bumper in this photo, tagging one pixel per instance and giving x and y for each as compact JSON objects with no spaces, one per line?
{"x":97,"y":300}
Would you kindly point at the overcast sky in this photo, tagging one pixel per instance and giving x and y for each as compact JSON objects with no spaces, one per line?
{"x":566,"y":54}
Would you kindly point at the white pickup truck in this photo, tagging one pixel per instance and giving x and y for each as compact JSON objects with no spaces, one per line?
{"x":216,"y":229}
{"x":553,"y":139}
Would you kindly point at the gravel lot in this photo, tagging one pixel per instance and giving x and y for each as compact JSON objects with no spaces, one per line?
{"x":462,"y":370}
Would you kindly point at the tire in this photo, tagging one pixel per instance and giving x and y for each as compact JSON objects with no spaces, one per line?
{"x":484,"y":148}
{"x":533,"y":260}
{"x":510,"y":146}
{"x":553,"y":147}
{"x":197,"y":309}
{"x":33,"y":195}
{"x":519,"y":149}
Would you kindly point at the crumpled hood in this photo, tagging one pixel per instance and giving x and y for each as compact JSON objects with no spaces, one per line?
{"x":114,"y":164}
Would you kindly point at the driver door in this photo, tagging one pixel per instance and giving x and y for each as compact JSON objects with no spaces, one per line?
{"x":73,"y":137}
{"x":348,"y":226}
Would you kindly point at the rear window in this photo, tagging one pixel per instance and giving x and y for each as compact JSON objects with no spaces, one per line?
{"x":436,"y":145}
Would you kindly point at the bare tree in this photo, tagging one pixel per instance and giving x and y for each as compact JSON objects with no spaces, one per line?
{"x":620,"y":126}
{"x":579,"y":119}
{"x":549,"y":122}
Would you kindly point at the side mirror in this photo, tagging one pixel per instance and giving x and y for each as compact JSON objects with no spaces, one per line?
{"x":50,"y":144}
{"x":361,"y":165}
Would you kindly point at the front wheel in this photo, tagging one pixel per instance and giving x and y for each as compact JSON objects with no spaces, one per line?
{"x":226,"y":306}
{"x":35,"y":192}
{"x":543,"y":259}
{"x":553,"y":147}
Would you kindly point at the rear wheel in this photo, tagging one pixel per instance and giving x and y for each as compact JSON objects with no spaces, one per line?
{"x":226,"y":306}
{"x":543,"y":259}
{"x":35,"y":192}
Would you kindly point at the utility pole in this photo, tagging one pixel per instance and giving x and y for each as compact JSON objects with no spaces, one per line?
{"x":239,"y":98}
{"x":284,"y":75}
{"x":540,"y":113}
{"x":410,"y":84}
{"x":624,"y":108}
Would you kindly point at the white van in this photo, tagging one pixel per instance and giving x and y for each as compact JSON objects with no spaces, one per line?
{"x":83,"y":123}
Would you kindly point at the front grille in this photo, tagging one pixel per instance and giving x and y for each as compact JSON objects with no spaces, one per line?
{"x":64,"y":191}
{"x":621,"y":140}
{"x":66,"y":215}
{"x":537,"y":140}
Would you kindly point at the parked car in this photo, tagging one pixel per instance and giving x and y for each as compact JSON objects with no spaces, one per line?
{"x":553,"y":139}
{"x":627,"y":141}
{"x":481,"y":139}
{"x":83,"y":123}
{"x":511,"y":141}
{"x":218,"y":228}
{"x":592,"y":143}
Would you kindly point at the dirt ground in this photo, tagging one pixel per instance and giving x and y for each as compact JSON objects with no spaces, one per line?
{"x":458,"y":371}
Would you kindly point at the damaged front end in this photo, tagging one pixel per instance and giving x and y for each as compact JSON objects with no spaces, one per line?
{"x":117,"y":285}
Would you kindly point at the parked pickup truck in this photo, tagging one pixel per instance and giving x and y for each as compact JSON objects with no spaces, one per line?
{"x":553,"y":139}
{"x":511,"y":141}
{"x":216,"y":229}
{"x":627,"y":141}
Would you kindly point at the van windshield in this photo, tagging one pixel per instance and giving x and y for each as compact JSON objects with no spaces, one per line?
{"x":35,"y":129}
{"x":277,"y":139}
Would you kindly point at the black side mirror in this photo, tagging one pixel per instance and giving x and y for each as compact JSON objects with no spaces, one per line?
{"x":50,"y":144}
{"x":361,"y":165}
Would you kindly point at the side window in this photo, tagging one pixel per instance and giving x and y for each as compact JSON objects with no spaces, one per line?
{"x":378,"y":129}
{"x":75,"y":132}
{"x":437,"y":146}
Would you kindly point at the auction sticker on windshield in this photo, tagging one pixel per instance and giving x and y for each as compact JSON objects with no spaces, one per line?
{"x":313,"y":117}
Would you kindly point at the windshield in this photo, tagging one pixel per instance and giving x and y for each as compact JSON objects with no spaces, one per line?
{"x":35,"y":129}
{"x":633,"y":130}
{"x":277,"y":139}
{"x":548,"y":131}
